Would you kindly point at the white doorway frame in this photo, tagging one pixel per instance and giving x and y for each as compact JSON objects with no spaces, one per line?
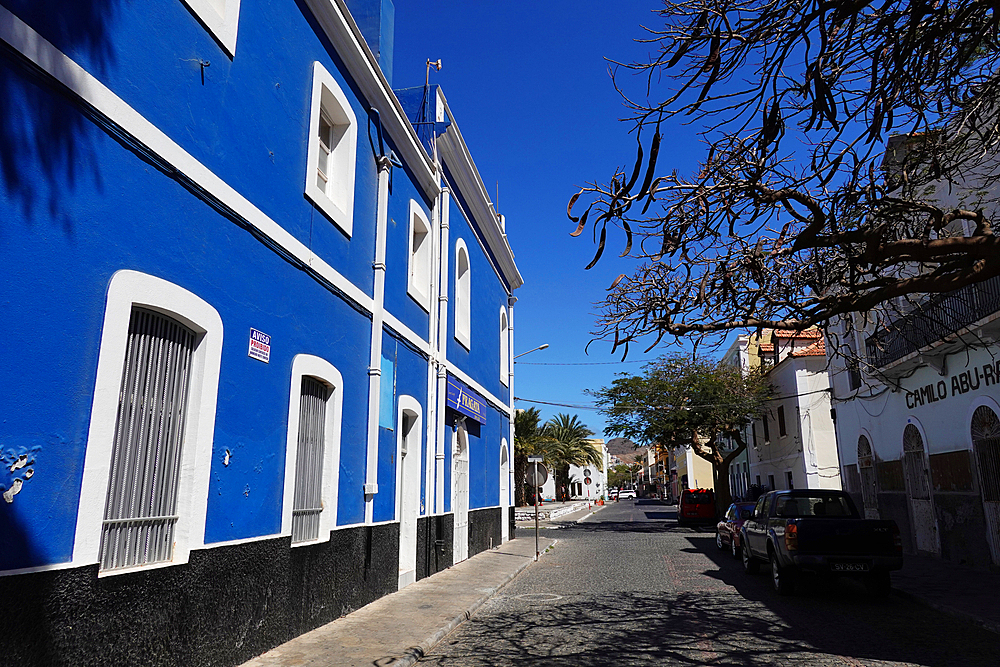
{"x":409,"y":450}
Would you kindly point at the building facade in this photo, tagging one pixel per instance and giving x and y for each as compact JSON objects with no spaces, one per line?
{"x":262,"y":371}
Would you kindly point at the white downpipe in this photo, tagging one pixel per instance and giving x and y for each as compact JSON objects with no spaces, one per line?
{"x":430,"y":423}
{"x":510,"y":386}
{"x":375,"y":361}
{"x":442,"y":346}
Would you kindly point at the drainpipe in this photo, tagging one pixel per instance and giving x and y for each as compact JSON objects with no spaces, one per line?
{"x":375,"y":361}
{"x":511,"y":300}
{"x":442,"y":346}
{"x":430,"y":421}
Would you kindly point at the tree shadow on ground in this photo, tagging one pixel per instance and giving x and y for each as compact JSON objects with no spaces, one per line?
{"x":700,"y":622}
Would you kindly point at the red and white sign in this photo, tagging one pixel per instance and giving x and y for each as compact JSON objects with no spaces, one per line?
{"x":260,"y":346}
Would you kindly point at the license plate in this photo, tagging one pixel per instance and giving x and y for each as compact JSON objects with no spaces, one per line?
{"x":850,"y":567}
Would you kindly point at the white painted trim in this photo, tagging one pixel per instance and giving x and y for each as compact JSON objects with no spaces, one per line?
{"x":128,"y":289}
{"x":412,"y":461}
{"x":418,"y":269}
{"x":504,"y":323}
{"x":321,"y":369}
{"x":223,"y":26}
{"x":327,"y":96}
{"x":505,"y":480}
{"x":463,"y":298}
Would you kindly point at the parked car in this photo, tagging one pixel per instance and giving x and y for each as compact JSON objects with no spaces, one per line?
{"x":626,"y":493}
{"x":819,"y":531}
{"x":727,"y":531}
{"x":696,"y":506}
{"x":613,"y":494}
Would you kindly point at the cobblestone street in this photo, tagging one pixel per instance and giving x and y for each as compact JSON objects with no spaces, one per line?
{"x":627,"y":586}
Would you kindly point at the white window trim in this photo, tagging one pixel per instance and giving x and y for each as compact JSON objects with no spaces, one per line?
{"x":407,"y":404}
{"x":418,"y":282}
{"x":463,"y":302}
{"x":223,"y":26}
{"x":317,"y":367}
{"x":504,"y":347}
{"x":127,"y":290}
{"x":341,"y":214}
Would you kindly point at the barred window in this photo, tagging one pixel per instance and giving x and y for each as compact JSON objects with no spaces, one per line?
{"x":140,"y":510}
{"x":308,"y":503}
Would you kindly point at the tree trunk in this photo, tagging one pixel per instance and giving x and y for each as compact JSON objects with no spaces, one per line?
{"x":520,"y":479}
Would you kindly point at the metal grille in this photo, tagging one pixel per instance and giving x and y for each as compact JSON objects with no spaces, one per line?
{"x":986,"y":440}
{"x":308,"y":502}
{"x":869,"y":488}
{"x":913,"y":464}
{"x":140,"y":512}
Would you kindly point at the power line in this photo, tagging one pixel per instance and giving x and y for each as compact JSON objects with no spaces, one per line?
{"x":582,"y":363}
{"x":661,"y":407}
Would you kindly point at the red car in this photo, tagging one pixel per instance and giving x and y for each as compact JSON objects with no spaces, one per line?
{"x":696,"y":506}
{"x":727,"y":531}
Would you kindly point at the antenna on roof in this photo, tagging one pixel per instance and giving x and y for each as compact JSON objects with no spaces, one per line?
{"x":436,"y":64}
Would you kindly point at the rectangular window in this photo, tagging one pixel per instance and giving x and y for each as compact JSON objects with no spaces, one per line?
{"x":781,"y":421}
{"x":331,"y":151}
{"x":758,"y":480}
{"x":308,"y":502}
{"x":325,"y":148}
{"x":770,"y":482}
{"x":767,"y":434}
{"x":788,"y":480}
{"x":141,"y":506}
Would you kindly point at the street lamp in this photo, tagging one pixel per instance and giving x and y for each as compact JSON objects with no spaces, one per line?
{"x":540,"y":347}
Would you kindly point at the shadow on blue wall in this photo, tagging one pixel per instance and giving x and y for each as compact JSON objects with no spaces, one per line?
{"x":44,"y":144}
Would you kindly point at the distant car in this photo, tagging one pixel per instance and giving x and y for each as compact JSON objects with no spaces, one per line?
{"x":626,"y":493}
{"x":613,"y":494}
{"x":727,"y":531}
{"x":696,"y":506}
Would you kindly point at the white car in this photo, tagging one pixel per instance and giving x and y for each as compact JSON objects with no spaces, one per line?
{"x":626,"y":493}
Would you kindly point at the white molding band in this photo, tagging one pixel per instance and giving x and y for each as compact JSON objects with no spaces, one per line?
{"x":222,"y":26}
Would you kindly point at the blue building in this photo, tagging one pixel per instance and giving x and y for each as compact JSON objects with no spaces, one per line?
{"x":258,"y":318}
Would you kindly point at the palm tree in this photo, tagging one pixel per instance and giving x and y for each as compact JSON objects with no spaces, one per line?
{"x":530,"y":439}
{"x":570,"y":447}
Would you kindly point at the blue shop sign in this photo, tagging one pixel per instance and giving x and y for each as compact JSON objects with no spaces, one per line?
{"x":465,"y":400}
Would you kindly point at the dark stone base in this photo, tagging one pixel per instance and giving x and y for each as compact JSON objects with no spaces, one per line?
{"x":484,"y":529}
{"x":511,"y":523}
{"x":224,"y":607}
{"x":435,"y":544}
{"x":962,"y":526}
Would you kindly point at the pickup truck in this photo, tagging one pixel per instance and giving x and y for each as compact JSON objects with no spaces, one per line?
{"x":820,"y":531}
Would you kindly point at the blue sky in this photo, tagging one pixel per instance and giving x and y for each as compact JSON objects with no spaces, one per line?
{"x":529,"y":86}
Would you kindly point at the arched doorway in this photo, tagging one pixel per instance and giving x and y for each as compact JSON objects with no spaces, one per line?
{"x":504,"y":492}
{"x":408,"y":486}
{"x":986,"y":443}
{"x":918,"y":490}
{"x":460,"y":493}
{"x":869,"y":484}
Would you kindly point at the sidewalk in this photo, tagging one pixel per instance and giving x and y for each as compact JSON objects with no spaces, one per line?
{"x":953,"y":589}
{"x":399,"y":629}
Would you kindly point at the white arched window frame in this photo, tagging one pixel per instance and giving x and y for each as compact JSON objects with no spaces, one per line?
{"x":418,"y":284}
{"x":463,"y":295}
{"x":504,"y":348}
{"x":307,"y":365}
{"x":332,"y":150}
{"x":128,"y":290}
{"x":221,"y":17}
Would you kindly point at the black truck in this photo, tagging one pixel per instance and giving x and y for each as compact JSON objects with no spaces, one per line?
{"x":820,"y":531}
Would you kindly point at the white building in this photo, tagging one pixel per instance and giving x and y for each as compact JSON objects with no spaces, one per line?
{"x":794,"y":446}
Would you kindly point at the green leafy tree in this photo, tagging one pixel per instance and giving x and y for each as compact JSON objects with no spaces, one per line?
{"x":623,"y":475}
{"x":681,"y":401}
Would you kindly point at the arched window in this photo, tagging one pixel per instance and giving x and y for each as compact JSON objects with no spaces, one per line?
{"x":418,"y":283}
{"x":333,"y":138}
{"x":463,"y":295}
{"x":504,"y":348}
{"x":143,"y":499}
{"x":312,"y":452}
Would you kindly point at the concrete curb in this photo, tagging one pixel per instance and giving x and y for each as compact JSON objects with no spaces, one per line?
{"x":945,"y":609}
{"x":416,"y":653}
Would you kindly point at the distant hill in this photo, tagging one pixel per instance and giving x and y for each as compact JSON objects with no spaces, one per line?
{"x":620,"y":446}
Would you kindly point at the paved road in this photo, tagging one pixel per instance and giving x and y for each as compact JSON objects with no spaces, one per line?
{"x":629,"y":587}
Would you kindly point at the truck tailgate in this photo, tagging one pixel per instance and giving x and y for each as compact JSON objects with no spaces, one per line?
{"x":845,"y":537}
